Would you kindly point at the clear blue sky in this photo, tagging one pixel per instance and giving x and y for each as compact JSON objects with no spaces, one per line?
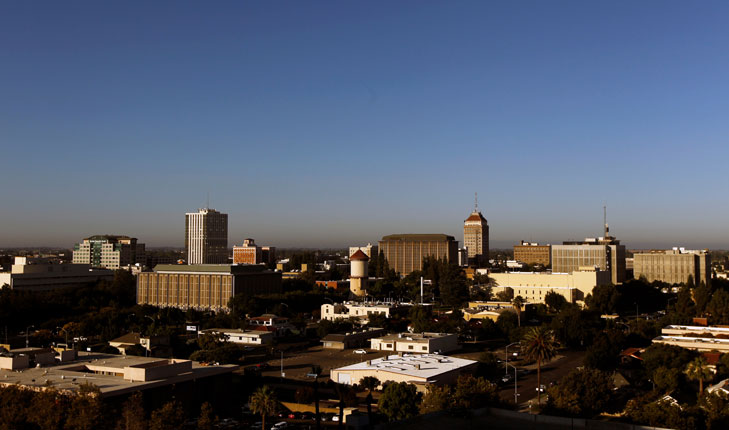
{"x":335,"y":123}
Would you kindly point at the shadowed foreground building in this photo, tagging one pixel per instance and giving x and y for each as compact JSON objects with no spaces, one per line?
{"x":40,"y":274}
{"x":405,"y":252}
{"x":205,"y":286}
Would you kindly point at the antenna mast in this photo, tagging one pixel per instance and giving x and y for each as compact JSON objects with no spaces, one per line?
{"x":476,"y":203}
{"x":604,"y":217}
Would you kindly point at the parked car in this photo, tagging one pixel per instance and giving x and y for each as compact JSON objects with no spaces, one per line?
{"x":360,"y":351}
{"x":542,"y":388}
{"x":335,"y":418}
{"x":307,"y":416}
{"x":281,"y":425}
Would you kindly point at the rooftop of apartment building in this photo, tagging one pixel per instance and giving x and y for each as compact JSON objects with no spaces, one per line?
{"x":418,"y":237}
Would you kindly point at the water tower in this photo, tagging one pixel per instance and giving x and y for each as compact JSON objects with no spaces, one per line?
{"x":359,"y":273}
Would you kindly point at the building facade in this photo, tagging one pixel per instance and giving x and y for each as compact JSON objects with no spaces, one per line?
{"x":476,"y":238}
{"x":206,"y":237}
{"x":673,"y":266}
{"x":405,"y":252}
{"x":203,"y":287}
{"x":533,"y":253}
{"x":250,"y":253}
{"x":109,"y":252}
{"x":417,"y":343}
{"x":605,"y":253}
{"x":534,"y":286}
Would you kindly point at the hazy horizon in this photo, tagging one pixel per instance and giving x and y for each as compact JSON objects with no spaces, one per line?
{"x":330,"y":124}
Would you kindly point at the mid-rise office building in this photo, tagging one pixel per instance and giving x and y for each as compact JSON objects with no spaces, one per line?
{"x":369,"y":249}
{"x":206,"y":237}
{"x":250,"y":253}
{"x":605,"y":253}
{"x":673,"y":266}
{"x":405,"y":252}
{"x":476,"y":238}
{"x":533,"y":253}
{"x":203,"y":287}
{"x":109,"y":251}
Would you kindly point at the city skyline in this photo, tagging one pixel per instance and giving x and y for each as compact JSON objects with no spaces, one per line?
{"x":332,"y":125}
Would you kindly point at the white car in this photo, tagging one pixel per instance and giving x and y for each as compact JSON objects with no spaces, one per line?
{"x":281,"y":425}
{"x":360,"y":351}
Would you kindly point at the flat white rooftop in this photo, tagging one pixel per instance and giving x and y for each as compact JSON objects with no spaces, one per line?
{"x":417,"y":365}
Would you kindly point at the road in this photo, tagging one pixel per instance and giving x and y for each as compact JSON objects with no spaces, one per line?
{"x":552,"y":371}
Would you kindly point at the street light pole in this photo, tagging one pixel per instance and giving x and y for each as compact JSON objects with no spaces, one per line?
{"x":27,"y":342}
{"x":506,"y":356}
{"x":516,"y":394}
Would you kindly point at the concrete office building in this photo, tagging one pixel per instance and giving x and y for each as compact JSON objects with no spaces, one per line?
{"x":203,"y":287}
{"x":250,"y":253}
{"x":109,"y":252}
{"x":206,"y":237}
{"x":533,"y":253}
{"x":38,"y":274}
{"x":697,"y":338}
{"x":476,"y":238}
{"x":534,"y":286}
{"x":245,"y":337}
{"x":673,"y":266}
{"x":347,"y":310}
{"x":405,"y":252}
{"x":418,"y":369}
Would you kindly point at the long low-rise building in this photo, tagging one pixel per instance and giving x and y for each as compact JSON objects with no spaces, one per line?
{"x":354,"y":339}
{"x":697,"y":338}
{"x":203,"y":286}
{"x":421,"y":343}
{"x":113,"y":374}
{"x":361,"y":310}
{"x":39,"y":274}
{"x":534,"y":286}
{"x":246,"y":337}
{"x":419,"y":369}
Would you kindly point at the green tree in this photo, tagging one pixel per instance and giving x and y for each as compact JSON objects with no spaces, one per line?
{"x":264,"y":403}
{"x":488,"y":366}
{"x":369,"y":383}
{"x":505,"y":295}
{"x":207,"y":419}
{"x":473,"y":393}
{"x":583,"y":392}
{"x":604,"y":298}
{"x":672,"y":357}
{"x":718,"y":307}
{"x":132,"y":415}
{"x":437,"y":398}
{"x":716,"y":408}
{"x":666,"y":380}
{"x":399,"y":401}
{"x":170,"y":416}
{"x":316,"y":371}
{"x":554,"y":301}
{"x":698,"y":370}
{"x":539,"y":345}
{"x":85,"y":411}
{"x":517,"y":303}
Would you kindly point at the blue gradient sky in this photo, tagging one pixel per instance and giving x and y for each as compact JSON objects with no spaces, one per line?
{"x":335,"y":123}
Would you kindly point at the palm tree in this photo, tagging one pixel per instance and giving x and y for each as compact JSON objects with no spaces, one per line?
{"x":517,"y":303}
{"x":343,"y":391}
{"x":370,"y":383}
{"x":264,"y":402}
{"x":698,"y":370}
{"x":540,"y":346}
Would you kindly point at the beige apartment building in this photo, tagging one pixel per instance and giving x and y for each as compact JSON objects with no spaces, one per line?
{"x":206,"y":237}
{"x":203,"y":287}
{"x":533,"y":253}
{"x":405,"y":252}
{"x":534,"y":286}
{"x":476,"y":238}
{"x":109,"y":251}
{"x":673,"y":266}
